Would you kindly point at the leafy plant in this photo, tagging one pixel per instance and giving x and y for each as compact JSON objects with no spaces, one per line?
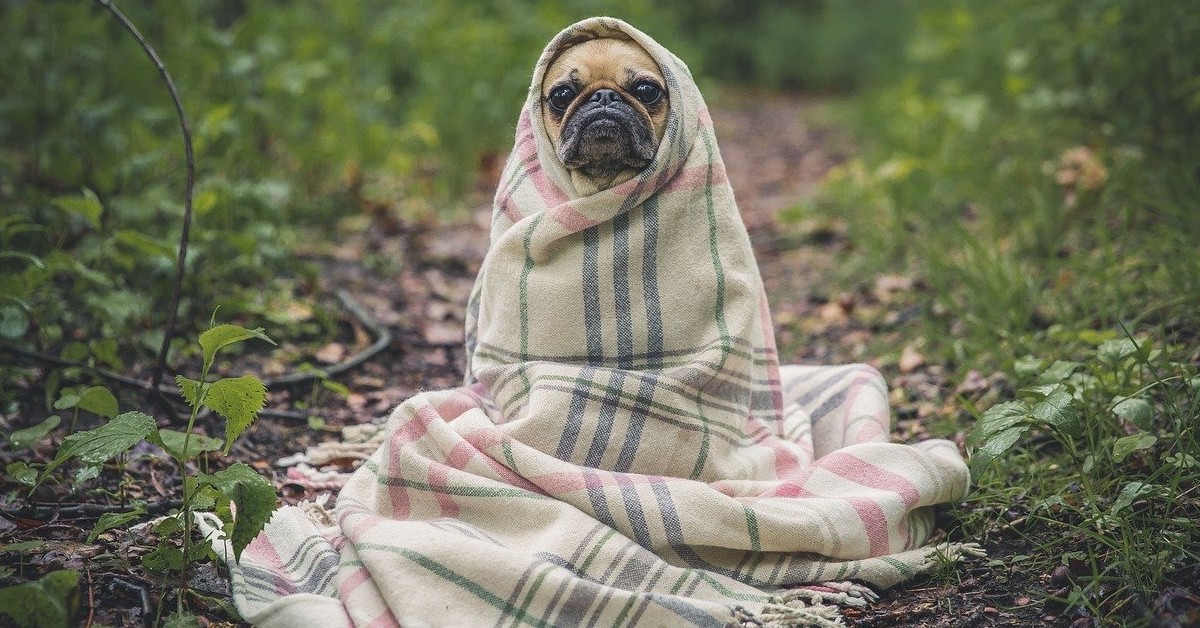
{"x":51,"y":602}
{"x":1119,"y":483}
{"x":241,"y":498}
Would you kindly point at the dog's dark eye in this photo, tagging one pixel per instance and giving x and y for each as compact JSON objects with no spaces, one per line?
{"x":647,"y":92}
{"x":560,"y":98}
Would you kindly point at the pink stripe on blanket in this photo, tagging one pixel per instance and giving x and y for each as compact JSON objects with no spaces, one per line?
{"x":407,"y":433}
{"x":860,"y":471}
{"x":262,"y":551}
{"x":786,"y":462}
{"x":551,"y":195}
{"x":351,"y":583}
{"x":874,"y":522}
{"x":439,"y":479}
{"x":571,"y":220}
{"x":696,"y":178}
{"x":455,"y":405}
{"x":387,"y":620}
{"x":868,"y":431}
{"x":486,"y":440}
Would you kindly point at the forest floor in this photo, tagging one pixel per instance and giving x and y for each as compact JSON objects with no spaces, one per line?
{"x":413,"y":279}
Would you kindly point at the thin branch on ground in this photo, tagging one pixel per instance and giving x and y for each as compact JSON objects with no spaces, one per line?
{"x":383,"y":338}
{"x":181,"y":261}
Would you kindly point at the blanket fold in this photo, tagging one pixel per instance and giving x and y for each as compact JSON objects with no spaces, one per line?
{"x":626,"y":449}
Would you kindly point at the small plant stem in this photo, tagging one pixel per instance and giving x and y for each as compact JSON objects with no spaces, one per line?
{"x":181,"y":260}
{"x":202,"y":389}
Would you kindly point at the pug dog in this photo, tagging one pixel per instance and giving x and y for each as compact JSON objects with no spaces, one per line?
{"x":605,"y":108}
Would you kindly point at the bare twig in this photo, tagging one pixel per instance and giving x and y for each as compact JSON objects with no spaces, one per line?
{"x":383,"y":338}
{"x":57,"y":361}
{"x":91,"y":600}
{"x":181,"y":260}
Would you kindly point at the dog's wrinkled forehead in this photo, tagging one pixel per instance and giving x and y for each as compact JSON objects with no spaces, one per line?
{"x":587,"y":60}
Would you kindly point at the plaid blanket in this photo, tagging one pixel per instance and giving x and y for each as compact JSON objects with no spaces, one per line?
{"x":626,"y":449}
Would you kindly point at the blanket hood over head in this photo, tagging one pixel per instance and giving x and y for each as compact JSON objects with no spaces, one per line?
{"x":641,"y":303}
{"x":626,"y":449}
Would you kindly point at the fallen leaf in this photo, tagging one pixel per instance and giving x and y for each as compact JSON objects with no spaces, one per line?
{"x":886,"y":286}
{"x":833,"y":313}
{"x":974,"y":382}
{"x":331,"y":353}
{"x":356,"y":401}
{"x":910,"y":360}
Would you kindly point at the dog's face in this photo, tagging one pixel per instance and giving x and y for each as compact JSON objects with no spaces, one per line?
{"x":604,"y":105}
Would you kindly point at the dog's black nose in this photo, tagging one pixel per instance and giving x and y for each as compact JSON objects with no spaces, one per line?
{"x":605,"y":97}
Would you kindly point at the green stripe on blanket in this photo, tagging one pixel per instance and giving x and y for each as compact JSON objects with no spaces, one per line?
{"x":626,"y":448}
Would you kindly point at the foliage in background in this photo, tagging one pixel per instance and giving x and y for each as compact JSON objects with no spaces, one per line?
{"x":1036,"y":166}
{"x":237,"y":496}
{"x":301,"y":114}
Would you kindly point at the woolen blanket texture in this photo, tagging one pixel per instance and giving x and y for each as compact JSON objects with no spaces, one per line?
{"x":626,"y":449}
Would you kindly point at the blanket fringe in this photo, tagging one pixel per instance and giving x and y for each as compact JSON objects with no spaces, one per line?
{"x":318,"y":510}
{"x":833,"y":592}
{"x":794,"y":613}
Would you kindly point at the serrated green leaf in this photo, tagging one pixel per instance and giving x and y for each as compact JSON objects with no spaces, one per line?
{"x":172,"y":442}
{"x":254,"y":497}
{"x":1041,"y":390}
{"x":189,"y":389}
{"x":1059,"y":411}
{"x":1128,"y":444}
{"x":1059,"y":371}
{"x":997,"y":419}
{"x":215,"y":339}
{"x":84,"y":475}
{"x":164,"y":559}
{"x":45,"y":603}
{"x":20,"y":439}
{"x":168,"y":526}
{"x":206,"y":499}
{"x":98,"y":400}
{"x":1134,"y":410}
{"x":94,"y":447}
{"x":995,"y":446}
{"x":238,"y":399}
{"x":86,"y":205}
{"x":110,"y":520}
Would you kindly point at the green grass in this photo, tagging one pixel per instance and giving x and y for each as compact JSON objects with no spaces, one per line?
{"x":1059,"y":252}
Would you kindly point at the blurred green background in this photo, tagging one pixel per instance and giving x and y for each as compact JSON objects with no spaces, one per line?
{"x":1032,"y":166}
{"x":304,"y":113}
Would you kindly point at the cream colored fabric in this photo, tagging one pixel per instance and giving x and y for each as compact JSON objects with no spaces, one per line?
{"x":626,"y":448}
